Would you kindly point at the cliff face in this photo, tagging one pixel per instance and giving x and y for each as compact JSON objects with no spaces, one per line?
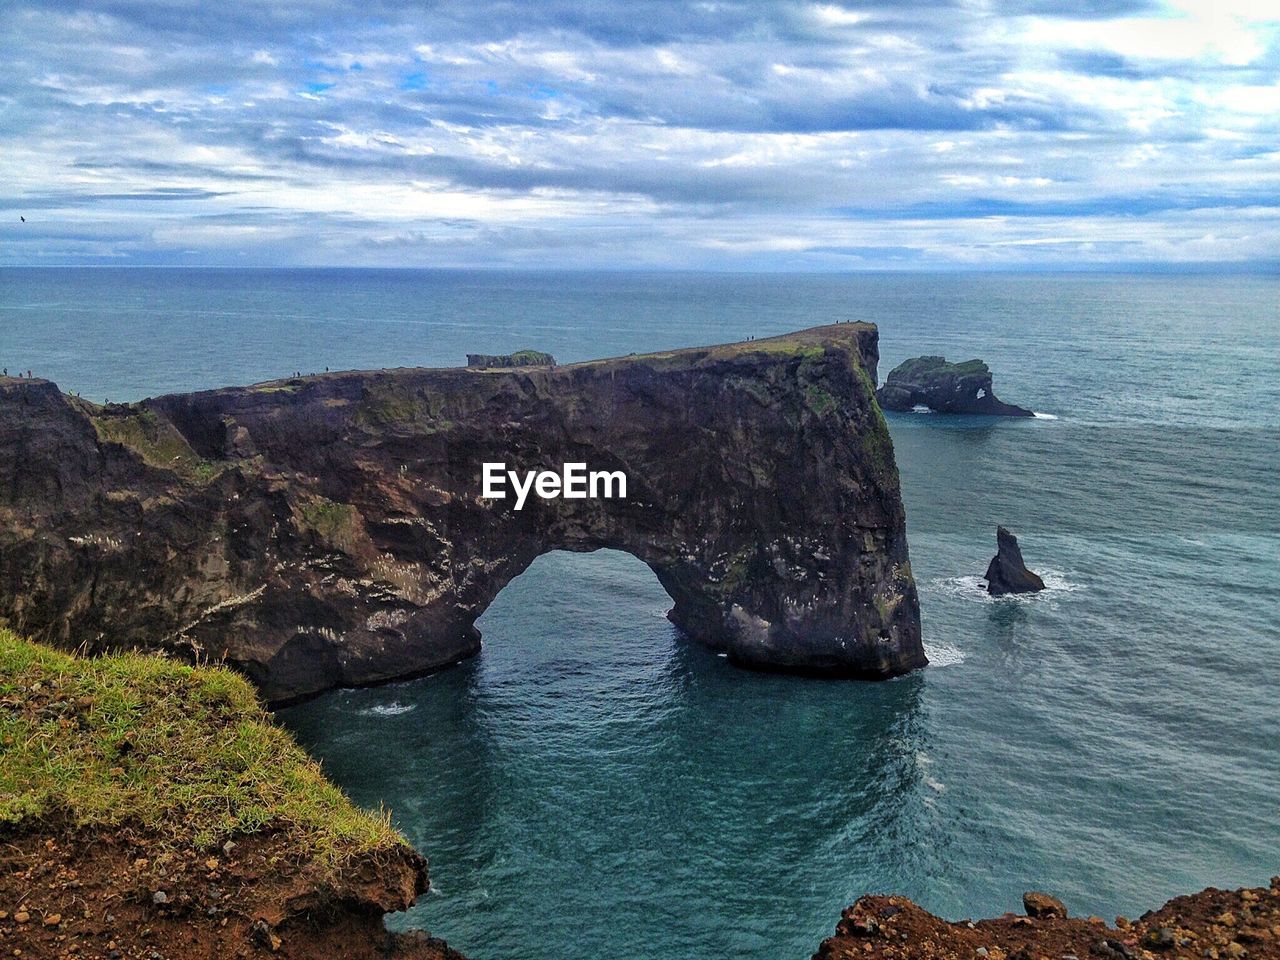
{"x":329,"y":530}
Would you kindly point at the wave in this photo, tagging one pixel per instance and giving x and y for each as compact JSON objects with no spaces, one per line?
{"x":972,"y":587}
{"x":393,"y":709}
{"x":924,"y":764}
{"x":1044,"y":416}
{"x":943,"y":654}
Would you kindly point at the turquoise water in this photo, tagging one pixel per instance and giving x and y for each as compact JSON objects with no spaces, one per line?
{"x":594,"y":782}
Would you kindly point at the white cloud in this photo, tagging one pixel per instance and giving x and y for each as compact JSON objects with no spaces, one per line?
{"x":811,"y":135}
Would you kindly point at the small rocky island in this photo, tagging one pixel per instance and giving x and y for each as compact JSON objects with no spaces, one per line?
{"x":944,"y":388}
{"x":1006,"y":573}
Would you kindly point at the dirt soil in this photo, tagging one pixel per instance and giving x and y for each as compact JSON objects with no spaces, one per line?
{"x":116,"y":897}
{"x":1210,"y":925}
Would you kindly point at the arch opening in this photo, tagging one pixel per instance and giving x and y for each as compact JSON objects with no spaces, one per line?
{"x":590,"y":588}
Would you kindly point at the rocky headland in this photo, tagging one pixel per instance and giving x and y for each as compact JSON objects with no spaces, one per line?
{"x":944,"y":388}
{"x":329,"y":530}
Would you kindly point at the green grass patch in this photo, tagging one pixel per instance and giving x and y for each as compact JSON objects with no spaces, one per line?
{"x":155,"y":440}
{"x":877,"y":444}
{"x":336,"y":523}
{"x":819,"y":400}
{"x":530,"y":358}
{"x":185,"y":753}
{"x":327,"y":516}
{"x":925,"y":368}
{"x":384,"y":404}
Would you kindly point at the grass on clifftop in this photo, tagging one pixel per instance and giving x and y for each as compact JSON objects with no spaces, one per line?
{"x":185,"y":754}
{"x":922,"y":368}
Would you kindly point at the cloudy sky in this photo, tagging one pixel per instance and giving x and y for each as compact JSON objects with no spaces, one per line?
{"x":727,"y":134}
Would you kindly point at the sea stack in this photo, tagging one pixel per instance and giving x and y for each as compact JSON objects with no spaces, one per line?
{"x":1006,"y":573}
{"x":944,"y":388}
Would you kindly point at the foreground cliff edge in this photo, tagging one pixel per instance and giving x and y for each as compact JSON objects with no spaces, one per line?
{"x":328,"y":530}
{"x":1213,"y":924}
{"x":149,"y":806}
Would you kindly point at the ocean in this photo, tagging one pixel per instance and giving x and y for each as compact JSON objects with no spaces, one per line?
{"x":594,"y":783}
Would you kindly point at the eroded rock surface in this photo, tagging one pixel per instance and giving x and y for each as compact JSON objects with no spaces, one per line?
{"x":261,"y":898}
{"x":1211,"y":925}
{"x":944,"y":388}
{"x":1007,"y":573}
{"x":329,"y":530}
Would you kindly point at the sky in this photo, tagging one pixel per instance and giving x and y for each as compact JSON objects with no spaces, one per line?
{"x":641,"y":134}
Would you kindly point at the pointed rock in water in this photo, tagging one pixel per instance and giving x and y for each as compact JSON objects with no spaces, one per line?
{"x":1006,"y":573}
{"x":944,"y":388}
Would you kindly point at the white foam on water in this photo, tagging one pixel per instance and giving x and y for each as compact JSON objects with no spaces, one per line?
{"x":969,"y":587}
{"x":1044,"y":416}
{"x":943,"y":654}
{"x":923,"y":763}
{"x":393,"y":709}
{"x":1057,"y":582}
{"x":972,"y":587}
{"x":921,"y":408}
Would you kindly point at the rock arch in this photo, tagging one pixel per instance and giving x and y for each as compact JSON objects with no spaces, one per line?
{"x":329,"y":530}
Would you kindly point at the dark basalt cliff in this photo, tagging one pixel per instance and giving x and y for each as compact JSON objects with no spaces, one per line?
{"x":945,"y":388}
{"x":329,"y":530}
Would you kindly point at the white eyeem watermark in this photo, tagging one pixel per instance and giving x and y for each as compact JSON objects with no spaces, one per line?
{"x":574,"y":482}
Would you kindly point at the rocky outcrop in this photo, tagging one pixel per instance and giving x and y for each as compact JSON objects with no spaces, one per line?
{"x":521,"y":358}
{"x":260,"y":898}
{"x":1215,"y":924}
{"x":1038,"y":904}
{"x":944,"y":388}
{"x":1006,"y":573}
{"x":330,"y":530}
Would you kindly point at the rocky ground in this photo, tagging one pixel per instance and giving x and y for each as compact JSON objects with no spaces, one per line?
{"x":122,"y":897}
{"x":1210,"y":925}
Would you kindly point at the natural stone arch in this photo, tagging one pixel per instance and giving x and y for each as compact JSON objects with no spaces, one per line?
{"x":329,"y":530}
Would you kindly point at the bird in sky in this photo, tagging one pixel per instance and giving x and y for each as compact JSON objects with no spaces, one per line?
{"x":22,"y":218}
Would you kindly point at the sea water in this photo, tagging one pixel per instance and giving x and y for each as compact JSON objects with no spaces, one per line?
{"x":593,"y":782}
